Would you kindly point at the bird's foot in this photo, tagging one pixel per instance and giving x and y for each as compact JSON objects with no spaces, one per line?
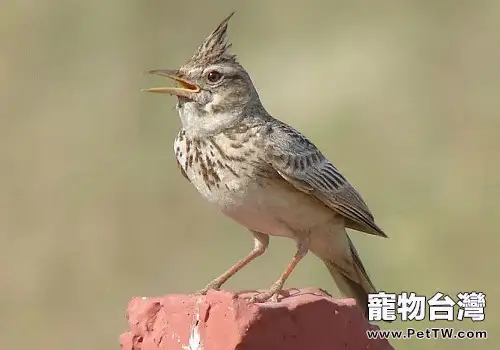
{"x":271,"y":294}
{"x":214,"y":285}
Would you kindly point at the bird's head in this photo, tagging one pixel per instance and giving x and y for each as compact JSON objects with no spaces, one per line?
{"x":213,"y":90}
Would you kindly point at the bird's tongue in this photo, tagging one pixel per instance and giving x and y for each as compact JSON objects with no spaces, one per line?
{"x":187,"y":85}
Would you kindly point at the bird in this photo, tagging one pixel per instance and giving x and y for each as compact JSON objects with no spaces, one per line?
{"x":263,"y":173}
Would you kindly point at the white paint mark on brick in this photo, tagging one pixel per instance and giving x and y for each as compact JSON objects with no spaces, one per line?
{"x":195,"y":338}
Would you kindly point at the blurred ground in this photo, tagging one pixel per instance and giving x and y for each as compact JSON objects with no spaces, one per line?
{"x":403,"y":96}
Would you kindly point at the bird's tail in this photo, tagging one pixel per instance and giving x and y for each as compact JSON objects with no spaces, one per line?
{"x":352,"y":281}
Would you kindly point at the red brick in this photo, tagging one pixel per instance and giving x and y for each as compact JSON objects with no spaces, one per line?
{"x":304,"y":319}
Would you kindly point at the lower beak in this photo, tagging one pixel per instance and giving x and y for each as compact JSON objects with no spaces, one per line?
{"x":186,"y":87}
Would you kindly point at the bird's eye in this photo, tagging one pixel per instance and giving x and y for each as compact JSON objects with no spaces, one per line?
{"x":214,"y":76}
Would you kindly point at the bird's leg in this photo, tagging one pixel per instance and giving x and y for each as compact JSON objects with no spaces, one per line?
{"x":274,"y":292}
{"x":261,"y":241}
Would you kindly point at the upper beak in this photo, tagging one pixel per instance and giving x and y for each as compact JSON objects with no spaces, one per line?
{"x":185,"y":89}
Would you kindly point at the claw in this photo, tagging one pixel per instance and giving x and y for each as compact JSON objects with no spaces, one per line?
{"x":274,"y":297}
{"x":272,"y":294}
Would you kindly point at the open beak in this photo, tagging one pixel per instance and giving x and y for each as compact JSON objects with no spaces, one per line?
{"x":185,"y":89}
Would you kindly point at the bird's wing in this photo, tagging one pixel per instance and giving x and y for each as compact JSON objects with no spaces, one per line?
{"x":182,"y":170}
{"x":300,"y":163}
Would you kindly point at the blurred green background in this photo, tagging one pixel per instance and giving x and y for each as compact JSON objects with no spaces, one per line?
{"x":402,"y":96}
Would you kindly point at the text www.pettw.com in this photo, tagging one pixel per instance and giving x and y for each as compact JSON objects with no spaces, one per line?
{"x":427,"y":333}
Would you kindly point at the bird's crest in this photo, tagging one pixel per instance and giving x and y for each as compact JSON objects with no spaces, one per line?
{"x":214,"y":48}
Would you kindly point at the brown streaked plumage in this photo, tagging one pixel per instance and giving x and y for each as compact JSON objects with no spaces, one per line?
{"x":263,"y":173}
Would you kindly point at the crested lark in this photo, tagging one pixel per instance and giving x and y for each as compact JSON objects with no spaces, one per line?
{"x":263,"y":173}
